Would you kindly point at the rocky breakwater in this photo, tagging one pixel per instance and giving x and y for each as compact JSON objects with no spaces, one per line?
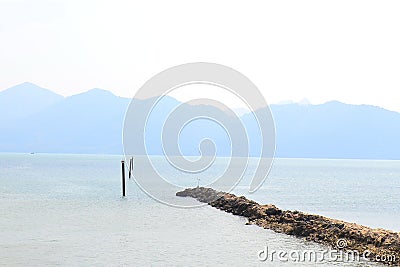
{"x":381,"y":245}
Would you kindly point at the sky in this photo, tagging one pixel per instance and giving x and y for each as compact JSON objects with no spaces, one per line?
{"x":319,"y":50}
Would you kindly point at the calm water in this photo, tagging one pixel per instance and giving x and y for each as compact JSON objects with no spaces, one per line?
{"x":67,"y":210}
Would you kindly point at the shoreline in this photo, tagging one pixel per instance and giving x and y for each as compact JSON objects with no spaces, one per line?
{"x":379,"y":242}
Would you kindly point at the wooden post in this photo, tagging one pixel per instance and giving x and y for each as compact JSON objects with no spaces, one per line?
{"x":130,"y":167}
{"x":123,"y":177}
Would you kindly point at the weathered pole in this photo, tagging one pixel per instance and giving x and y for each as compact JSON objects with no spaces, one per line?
{"x":123,"y":177}
{"x":130,"y":174}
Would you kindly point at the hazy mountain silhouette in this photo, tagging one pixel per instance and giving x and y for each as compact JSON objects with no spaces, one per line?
{"x":85,"y":123}
{"x":24,"y":100}
{"x":337,"y":130}
{"x":34,"y":119}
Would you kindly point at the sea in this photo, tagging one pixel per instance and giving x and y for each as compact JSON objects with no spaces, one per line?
{"x":67,"y":210}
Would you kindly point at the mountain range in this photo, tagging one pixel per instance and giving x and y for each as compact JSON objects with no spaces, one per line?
{"x":34,"y":119}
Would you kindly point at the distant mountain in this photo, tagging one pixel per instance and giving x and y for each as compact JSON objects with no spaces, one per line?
{"x":24,"y":100}
{"x":337,"y":130}
{"x":91,"y":122}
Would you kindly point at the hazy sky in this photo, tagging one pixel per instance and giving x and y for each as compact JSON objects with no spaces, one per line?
{"x":320,"y":50}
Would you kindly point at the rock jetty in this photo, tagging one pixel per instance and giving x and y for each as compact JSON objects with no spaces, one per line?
{"x":381,"y":245}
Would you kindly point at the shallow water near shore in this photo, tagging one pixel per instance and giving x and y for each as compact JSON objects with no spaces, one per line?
{"x":67,"y":210}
